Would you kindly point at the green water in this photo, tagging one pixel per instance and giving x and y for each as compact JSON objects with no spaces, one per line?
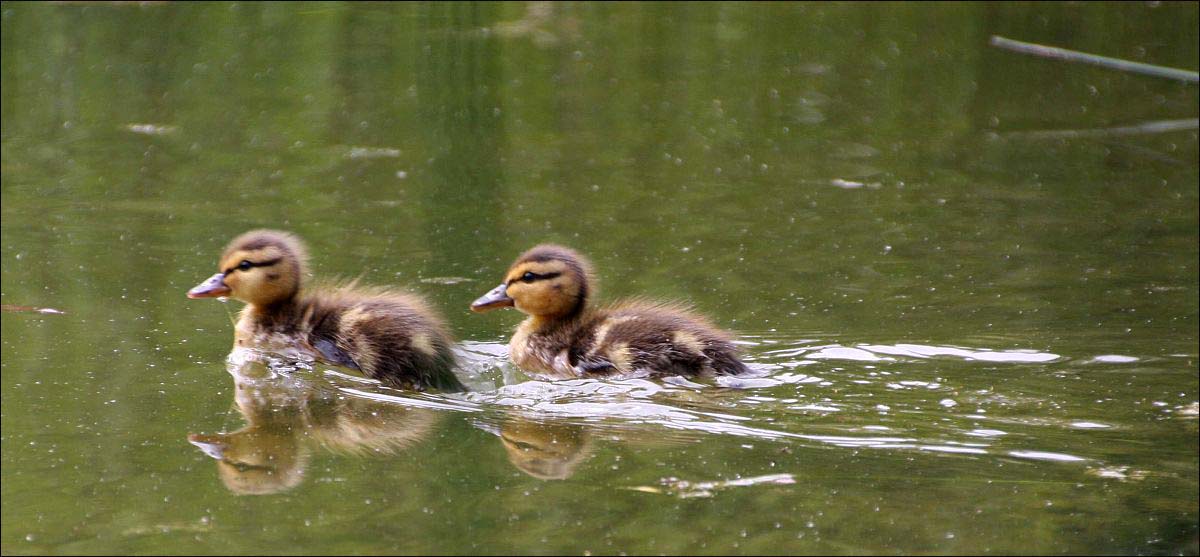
{"x":972,"y":339}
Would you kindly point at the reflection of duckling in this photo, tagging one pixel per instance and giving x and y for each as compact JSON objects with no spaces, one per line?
{"x":256,"y":460}
{"x":284,"y":418}
{"x":564,"y":337}
{"x":544,"y":450}
{"x":389,"y":336}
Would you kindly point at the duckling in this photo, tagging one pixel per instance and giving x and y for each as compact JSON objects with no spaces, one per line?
{"x":389,"y":336}
{"x":565,"y":337}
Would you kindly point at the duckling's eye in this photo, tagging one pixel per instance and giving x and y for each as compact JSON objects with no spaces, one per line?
{"x":246,"y":265}
{"x":531,"y":276}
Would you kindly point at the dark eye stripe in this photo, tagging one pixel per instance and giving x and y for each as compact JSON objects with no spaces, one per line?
{"x":266,"y":263}
{"x":531,"y":276}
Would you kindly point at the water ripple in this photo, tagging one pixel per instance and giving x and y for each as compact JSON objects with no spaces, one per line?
{"x":749,"y":406}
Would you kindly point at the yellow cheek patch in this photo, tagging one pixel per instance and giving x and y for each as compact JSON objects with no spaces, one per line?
{"x":234,"y":258}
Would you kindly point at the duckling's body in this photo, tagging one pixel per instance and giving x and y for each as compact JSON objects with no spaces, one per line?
{"x":565,"y":337}
{"x":389,"y":336}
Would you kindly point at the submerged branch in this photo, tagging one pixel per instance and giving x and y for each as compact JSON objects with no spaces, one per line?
{"x":1094,"y":59}
{"x":7,"y":307}
{"x":1157,"y":126}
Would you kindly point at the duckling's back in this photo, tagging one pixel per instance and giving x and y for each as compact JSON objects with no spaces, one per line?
{"x":389,"y":336}
{"x":661,"y":338}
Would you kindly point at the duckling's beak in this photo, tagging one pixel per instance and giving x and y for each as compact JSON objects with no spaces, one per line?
{"x":214,"y":287}
{"x":211,"y":445}
{"x":496,"y":298}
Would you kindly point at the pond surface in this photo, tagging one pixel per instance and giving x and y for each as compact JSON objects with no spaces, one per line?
{"x":975,"y":325}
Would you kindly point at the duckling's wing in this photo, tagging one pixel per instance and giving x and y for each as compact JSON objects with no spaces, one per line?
{"x":332,"y":354}
{"x":596,"y":365}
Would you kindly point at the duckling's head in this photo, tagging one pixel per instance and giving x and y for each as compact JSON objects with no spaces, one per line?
{"x":548,"y":281}
{"x":255,"y":461}
{"x":543,"y":450}
{"x":260,"y":267}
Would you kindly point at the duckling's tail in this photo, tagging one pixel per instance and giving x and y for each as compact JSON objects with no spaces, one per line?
{"x":725,"y":362}
{"x":441,"y":373}
{"x":421,"y":370}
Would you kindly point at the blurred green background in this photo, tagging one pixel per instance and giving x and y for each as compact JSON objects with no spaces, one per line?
{"x":821,"y":178}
